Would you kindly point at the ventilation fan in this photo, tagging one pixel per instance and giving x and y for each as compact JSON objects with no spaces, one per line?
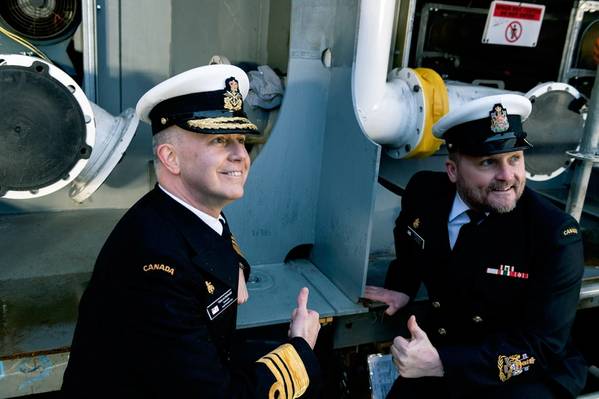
{"x":41,"y":20}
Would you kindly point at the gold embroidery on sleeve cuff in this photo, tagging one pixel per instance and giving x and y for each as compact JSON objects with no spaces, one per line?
{"x":289,"y":371}
{"x":511,"y":366}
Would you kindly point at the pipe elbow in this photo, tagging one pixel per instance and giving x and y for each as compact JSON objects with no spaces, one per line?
{"x":384,"y":119}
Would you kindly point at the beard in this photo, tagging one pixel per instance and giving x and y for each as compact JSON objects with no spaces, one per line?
{"x":480,"y":198}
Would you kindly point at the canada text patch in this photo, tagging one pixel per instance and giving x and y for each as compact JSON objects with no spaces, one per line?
{"x":159,"y":266}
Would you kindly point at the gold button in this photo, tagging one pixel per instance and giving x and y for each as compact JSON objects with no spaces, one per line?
{"x":442,"y":331}
{"x":436,"y":305}
{"x":163,"y":120}
{"x":477,"y":319}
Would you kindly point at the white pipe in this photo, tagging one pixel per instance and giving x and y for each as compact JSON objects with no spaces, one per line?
{"x":459,"y":93}
{"x":388,"y":111}
{"x":384,"y":109}
{"x":372,"y":56}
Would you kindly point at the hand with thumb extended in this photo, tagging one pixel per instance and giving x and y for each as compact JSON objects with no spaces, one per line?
{"x":415,"y":330}
{"x":305,"y":323}
{"x":416,"y":357}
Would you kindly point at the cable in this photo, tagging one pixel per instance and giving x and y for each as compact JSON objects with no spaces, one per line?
{"x":389,"y":185}
{"x":25,"y":43}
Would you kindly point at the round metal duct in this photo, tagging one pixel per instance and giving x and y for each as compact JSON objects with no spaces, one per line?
{"x":554,"y":126}
{"x":46,"y":128}
{"x":41,"y":19}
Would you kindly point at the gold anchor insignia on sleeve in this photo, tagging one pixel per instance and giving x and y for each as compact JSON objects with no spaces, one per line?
{"x":210,"y":287}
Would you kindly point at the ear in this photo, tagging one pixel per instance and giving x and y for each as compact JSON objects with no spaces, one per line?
{"x":167,"y":155}
{"x":452,"y":170}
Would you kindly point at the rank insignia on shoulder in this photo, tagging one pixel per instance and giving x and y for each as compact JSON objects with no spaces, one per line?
{"x":236,"y":246}
{"x":159,"y":266}
{"x":209,"y":287}
{"x":513,"y":365}
{"x":416,"y":223}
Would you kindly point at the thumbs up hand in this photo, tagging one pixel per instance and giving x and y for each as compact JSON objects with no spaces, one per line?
{"x":304,"y":322}
{"x":416,"y":357}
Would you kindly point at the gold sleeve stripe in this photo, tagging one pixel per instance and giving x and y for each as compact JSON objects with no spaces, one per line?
{"x":292,"y":364}
{"x":289,"y":388}
{"x":282,"y":365}
{"x":278,"y":390}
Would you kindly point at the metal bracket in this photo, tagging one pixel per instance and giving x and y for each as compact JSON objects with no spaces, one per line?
{"x":588,"y":156}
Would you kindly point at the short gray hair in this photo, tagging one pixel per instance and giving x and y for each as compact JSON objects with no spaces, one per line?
{"x":166,"y":136}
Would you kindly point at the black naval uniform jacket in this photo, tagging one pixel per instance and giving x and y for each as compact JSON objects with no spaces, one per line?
{"x":158,"y":316}
{"x":502,"y":308}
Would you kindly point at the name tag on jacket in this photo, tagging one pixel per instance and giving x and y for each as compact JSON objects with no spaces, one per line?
{"x":217,"y":307}
{"x":416,"y":237}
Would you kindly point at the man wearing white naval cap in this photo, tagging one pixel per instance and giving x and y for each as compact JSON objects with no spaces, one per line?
{"x":158,"y":317}
{"x":502,"y":267}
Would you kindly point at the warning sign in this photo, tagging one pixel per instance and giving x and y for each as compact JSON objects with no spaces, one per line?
{"x":513,"y":24}
{"x":513,"y":32}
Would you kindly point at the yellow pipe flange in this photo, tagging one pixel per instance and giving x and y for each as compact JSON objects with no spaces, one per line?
{"x":436,"y":105}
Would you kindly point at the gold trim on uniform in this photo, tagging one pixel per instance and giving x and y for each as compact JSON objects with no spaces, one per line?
{"x":222,"y":122}
{"x":289,"y":371}
{"x":236,"y":246}
{"x":277,"y":391}
{"x":209,"y":287}
{"x":511,"y":366}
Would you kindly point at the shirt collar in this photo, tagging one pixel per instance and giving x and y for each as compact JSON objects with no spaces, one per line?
{"x":458,"y":208}
{"x":214,"y":223}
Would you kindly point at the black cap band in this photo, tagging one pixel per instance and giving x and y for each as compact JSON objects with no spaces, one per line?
{"x":179,"y":110}
{"x":477,"y":138}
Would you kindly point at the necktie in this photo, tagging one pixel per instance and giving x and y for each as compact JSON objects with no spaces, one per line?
{"x":467,"y":230}
{"x":226,"y":231}
{"x":475,"y":216}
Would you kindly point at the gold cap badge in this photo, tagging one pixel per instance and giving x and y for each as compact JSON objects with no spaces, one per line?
{"x":232,"y":97}
{"x":416,"y":223}
{"x":499,"y":120}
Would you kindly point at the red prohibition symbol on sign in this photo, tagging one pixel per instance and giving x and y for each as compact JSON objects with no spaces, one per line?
{"x":513,"y":31}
